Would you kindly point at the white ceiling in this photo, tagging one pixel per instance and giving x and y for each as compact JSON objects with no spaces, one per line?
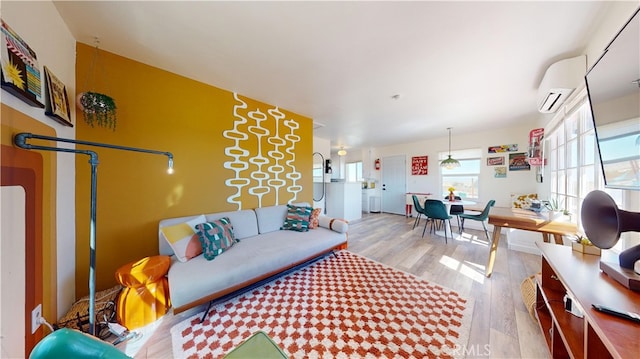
{"x":467,"y":65}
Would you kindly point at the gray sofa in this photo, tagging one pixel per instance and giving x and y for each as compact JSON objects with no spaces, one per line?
{"x":263,"y":250}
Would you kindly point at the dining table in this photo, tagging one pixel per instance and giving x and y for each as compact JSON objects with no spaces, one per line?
{"x":447,"y":229}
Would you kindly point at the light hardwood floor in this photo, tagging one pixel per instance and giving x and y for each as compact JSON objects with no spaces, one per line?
{"x":501,"y":326}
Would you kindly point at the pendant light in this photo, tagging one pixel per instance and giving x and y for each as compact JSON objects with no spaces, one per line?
{"x":449,"y":163}
{"x":342,"y":151}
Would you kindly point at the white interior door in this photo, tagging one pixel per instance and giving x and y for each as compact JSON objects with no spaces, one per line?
{"x":394,"y":184}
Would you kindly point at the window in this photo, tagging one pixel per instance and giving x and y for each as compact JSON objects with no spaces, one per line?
{"x":464,"y":178}
{"x":574,"y":162}
{"x":354,"y":172}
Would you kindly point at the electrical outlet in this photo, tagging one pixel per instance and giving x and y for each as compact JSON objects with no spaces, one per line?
{"x":36,"y":315}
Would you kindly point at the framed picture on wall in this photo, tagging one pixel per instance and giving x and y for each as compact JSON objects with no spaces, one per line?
{"x":56,"y":99}
{"x":503,"y":148}
{"x":419,"y":165}
{"x":495,"y":161}
{"x":518,"y":162}
{"x":19,"y":70}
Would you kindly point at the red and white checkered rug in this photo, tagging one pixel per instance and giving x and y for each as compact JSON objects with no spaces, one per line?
{"x":339,"y":307}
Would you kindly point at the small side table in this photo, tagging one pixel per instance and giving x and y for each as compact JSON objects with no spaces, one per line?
{"x":259,"y":345}
{"x":145,"y":297}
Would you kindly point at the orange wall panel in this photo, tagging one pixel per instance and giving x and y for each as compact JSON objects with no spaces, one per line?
{"x":41,"y":258}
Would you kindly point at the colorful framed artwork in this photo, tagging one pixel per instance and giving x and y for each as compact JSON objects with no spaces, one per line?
{"x":518,"y":162}
{"x":503,"y":148}
{"x":495,"y":161}
{"x":19,"y":69}
{"x":56,"y":99}
{"x":419,"y":165}
{"x":500,"y":172}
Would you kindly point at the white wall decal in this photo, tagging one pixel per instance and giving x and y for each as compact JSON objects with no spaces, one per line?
{"x":258,"y":170}
{"x":236,"y":152}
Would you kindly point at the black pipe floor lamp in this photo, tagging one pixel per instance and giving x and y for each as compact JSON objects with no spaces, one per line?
{"x":21,"y":139}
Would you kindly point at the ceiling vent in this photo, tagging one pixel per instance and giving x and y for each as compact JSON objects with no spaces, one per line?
{"x":559,"y":82}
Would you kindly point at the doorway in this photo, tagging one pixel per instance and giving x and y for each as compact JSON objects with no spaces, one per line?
{"x":394,"y":184}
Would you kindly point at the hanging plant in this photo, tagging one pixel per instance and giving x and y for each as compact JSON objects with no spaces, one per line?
{"x":98,"y":109}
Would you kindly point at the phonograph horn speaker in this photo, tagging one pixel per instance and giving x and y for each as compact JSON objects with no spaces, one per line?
{"x":603,"y":222}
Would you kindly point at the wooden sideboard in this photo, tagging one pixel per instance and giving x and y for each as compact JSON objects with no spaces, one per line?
{"x":597,"y":335}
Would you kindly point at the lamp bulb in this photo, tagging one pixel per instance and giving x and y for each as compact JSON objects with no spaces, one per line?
{"x":170,"y":169}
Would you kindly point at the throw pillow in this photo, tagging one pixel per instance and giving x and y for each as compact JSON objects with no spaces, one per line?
{"x":334,"y":224}
{"x":313,"y":218}
{"x":183,"y":238}
{"x":215,"y":237}
{"x":297,"y":218}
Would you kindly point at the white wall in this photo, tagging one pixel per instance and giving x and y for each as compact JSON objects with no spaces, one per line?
{"x":40,"y":25}
{"x":499,"y":189}
{"x":322,"y":146}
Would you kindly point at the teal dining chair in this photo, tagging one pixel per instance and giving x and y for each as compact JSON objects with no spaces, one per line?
{"x":419,"y":210}
{"x":436,"y":211}
{"x":478,"y":217}
{"x":456,"y":209}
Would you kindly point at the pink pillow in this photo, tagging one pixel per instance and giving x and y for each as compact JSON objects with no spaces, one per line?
{"x":313,"y":219}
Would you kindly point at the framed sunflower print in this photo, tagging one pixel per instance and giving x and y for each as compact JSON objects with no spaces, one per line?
{"x":19,"y":69}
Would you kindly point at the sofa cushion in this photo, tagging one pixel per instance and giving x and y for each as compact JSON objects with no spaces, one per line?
{"x":182,"y":238}
{"x":244,"y":222}
{"x":313,"y":218}
{"x":297,"y":218}
{"x":249,"y":259}
{"x":271,"y":218}
{"x":336,"y":225}
{"x":215,"y":237}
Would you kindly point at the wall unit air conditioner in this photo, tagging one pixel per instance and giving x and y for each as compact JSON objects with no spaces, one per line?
{"x":559,"y":81}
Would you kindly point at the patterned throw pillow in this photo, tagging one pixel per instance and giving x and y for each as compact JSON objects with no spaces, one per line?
{"x":183,"y":238}
{"x":297,"y":218}
{"x":215,"y":237}
{"x":313,"y":219}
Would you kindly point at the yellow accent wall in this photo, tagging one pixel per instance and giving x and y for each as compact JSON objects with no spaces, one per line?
{"x":231,"y":152}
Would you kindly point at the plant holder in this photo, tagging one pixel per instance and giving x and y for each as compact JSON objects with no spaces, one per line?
{"x":98,"y":109}
{"x":585,"y":248}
